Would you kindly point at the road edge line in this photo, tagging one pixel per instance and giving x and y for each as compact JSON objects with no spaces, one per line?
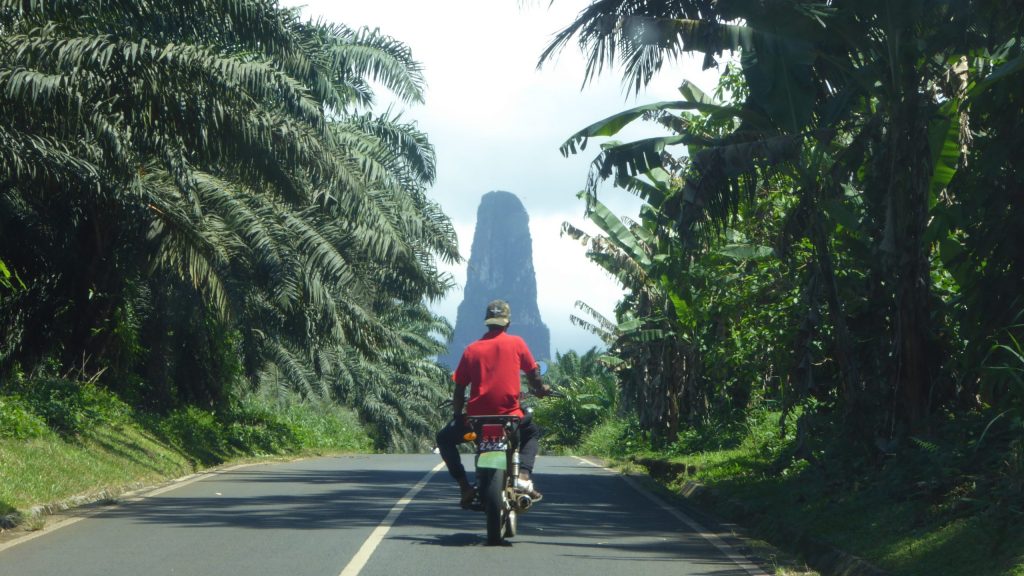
{"x":741,"y":561}
{"x":362,"y":556}
{"x":121,"y":500}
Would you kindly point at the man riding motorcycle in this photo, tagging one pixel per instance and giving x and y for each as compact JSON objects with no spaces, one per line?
{"x":490,"y":366}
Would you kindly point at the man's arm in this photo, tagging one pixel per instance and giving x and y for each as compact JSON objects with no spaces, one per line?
{"x":458,"y":401}
{"x":529,"y":366}
{"x":537,"y":386}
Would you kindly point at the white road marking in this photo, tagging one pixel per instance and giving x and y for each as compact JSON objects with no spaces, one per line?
{"x":356,"y":564}
{"x":703,"y":532}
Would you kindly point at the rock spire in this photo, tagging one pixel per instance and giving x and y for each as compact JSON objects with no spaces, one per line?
{"x":500,"y":266}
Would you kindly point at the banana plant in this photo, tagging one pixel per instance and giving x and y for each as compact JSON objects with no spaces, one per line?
{"x":871,"y":96}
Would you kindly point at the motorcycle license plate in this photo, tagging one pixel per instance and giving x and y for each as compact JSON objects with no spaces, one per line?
{"x":492,"y":447}
{"x":492,"y":437}
{"x":496,"y":445}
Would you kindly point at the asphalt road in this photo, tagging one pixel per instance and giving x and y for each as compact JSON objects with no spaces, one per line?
{"x":376,"y":515}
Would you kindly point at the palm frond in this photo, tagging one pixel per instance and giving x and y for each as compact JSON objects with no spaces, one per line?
{"x":366,"y":53}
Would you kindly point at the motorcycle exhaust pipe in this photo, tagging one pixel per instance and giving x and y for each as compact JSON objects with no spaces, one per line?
{"x":523,"y":501}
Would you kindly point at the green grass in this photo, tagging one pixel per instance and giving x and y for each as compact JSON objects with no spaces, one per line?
{"x":935,"y":507}
{"x":611,"y":438}
{"x":63,"y":442}
{"x":51,"y":468}
{"x":905,"y":537}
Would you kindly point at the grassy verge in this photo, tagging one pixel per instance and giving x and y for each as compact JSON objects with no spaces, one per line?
{"x":108,"y":459}
{"x":933,"y":508}
{"x":63,"y":442}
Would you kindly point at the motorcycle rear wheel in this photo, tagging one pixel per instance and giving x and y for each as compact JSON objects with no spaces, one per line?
{"x":511,"y":520}
{"x":492,"y":495}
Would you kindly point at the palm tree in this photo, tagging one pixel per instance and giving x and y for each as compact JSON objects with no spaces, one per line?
{"x":221,"y":157}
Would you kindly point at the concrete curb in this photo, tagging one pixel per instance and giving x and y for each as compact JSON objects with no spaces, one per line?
{"x":14,"y":520}
{"x":16,"y":526}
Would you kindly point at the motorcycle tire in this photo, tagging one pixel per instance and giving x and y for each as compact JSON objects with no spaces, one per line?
{"x":511,"y":519}
{"x":492,"y":495}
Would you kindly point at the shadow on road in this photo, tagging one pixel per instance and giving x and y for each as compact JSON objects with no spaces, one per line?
{"x":296,"y":499}
{"x":587,"y":515}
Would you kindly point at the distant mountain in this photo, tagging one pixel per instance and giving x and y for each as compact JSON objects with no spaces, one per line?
{"x":500,"y":267}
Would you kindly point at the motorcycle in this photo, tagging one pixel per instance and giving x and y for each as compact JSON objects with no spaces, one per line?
{"x":497,"y":467}
{"x":496,"y":439}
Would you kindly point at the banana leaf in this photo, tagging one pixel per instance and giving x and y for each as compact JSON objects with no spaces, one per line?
{"x":619,"y":235}
{"x":944,"y":146}
{"x":611,"y":125}
{"x":742,"y":252}
{"x":1002,"y":71}
{"x":777,"y":67}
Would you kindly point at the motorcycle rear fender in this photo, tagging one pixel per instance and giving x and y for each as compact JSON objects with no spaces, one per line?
{"x":496,"y":460}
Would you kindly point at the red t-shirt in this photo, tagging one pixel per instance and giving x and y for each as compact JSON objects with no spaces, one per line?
{"x":492,"y":365}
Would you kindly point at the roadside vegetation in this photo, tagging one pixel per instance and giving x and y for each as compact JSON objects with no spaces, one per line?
{"x":199,"y":199}
{"x":935,"y":507}
{"x":64,"y":443}
{"x":822,"y":313}
{"x":213,"y":246}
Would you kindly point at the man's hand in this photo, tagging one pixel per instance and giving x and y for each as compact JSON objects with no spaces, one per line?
{"x":537,"y":387}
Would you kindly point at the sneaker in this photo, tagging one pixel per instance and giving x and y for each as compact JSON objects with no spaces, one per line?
{"x":468,"y":494}
{"x":526,"y":487}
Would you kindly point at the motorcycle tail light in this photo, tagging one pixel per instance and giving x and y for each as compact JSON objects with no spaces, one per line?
{"x":493,"y":431}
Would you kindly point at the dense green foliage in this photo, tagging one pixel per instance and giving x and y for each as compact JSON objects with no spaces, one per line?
{"x":902,"y":515}
{"x":831,"y":238}
{"x":588,"y":395}
{"x":835,"y":232}
{"x":197,"y":198}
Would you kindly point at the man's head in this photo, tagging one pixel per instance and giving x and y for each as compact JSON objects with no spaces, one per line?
{"x":498,"y":314}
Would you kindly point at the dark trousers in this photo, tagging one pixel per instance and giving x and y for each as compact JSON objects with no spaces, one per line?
{"x":450,"y":437}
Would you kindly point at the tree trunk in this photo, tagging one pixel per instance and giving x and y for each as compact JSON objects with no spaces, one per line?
{"x":845,"y":358}
{"x":908,"y":265}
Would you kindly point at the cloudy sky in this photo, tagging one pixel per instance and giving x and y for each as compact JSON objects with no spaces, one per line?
{"x":496,"y":122}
